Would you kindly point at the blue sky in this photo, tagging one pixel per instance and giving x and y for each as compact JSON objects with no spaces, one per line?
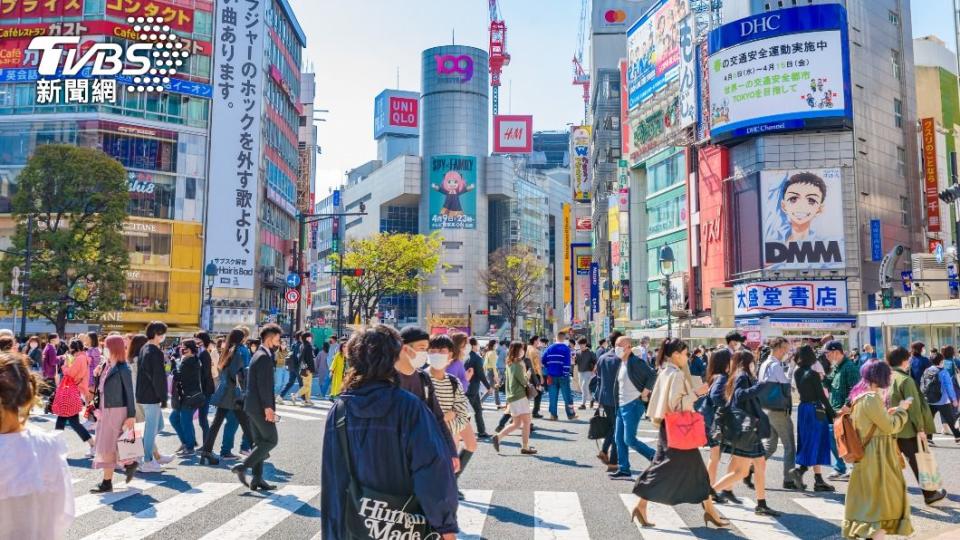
{"x":356,"y":46}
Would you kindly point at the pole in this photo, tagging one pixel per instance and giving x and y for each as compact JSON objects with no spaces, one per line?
{"x":25,"y":286}
{"x":666,"y":283}
{"x":297,"y":269}
{"x":339,"y":286}
{"x":210,"y":305}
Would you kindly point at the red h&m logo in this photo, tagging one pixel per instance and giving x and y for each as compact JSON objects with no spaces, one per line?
{"x":403,"y":112}
{"x":512,"y":133}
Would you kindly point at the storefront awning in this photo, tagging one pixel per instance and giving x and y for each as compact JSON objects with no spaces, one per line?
{"x":942,"y":312}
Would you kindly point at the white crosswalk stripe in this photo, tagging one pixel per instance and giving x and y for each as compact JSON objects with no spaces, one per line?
{"x":557,"y":515}
{"x":85,"y":504}
{"x":668,"y":525}
{"x":472,"y":513}
{"x":826,"y":509}
{"x":165,"y":513}
{"x":754,"y":526}
{"x":265,"y":515}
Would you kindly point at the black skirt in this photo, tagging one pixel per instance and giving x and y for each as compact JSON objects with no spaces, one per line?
{"x":674,"y":476}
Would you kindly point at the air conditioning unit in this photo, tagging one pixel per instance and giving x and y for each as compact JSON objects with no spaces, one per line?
{"x":925,"y":266}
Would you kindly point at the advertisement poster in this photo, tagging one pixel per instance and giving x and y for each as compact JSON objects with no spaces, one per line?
{"x":653,"y":49}
{"x":780,"y":70}
{"x":802,"y":219}
{"x":453,"y":192}
{"x":804,"y":297}
{"x":580,"y":155}
{"x":235,"y":149}
{"x":928,"y":148}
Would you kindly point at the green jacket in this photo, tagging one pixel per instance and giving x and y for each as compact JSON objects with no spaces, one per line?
{"x":516,"y":382}
{"x":920,"y":418}
{"x":843,"y":378}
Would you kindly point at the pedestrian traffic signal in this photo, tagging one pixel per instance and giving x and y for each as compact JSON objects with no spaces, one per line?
{"x":335,"y":244}
{"x":355,"y":272}
{"x":71,"y":313}
{"x":951,"y":194}
{"x":887,"y":293}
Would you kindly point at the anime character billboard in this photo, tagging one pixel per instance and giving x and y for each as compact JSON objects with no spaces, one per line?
{"x":802,"y":219}
{"x":453,"y":192}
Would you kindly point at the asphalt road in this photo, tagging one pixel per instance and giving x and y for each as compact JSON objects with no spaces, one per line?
{"x":563,"y":492}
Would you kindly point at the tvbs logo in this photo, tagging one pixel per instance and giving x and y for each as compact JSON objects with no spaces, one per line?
{"x":144,"y":66}
{"x":449,"y":64}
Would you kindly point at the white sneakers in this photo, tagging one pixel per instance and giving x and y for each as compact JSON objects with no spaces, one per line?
{"x":151,"y":467}
{"x":163,"y":460}
{"x":91,"y":452}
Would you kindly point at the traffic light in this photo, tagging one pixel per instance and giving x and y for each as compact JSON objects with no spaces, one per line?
{"x":71,"y":313}
{"x":887,"y":293}
{"x":353,"y":272}
{"x":335,"y":245}
{"x":951,"y":194}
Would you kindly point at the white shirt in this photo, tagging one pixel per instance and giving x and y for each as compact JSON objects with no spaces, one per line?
{"x":772,"y":370}
{"x":628,"y":392}
{"x":36,"y":495}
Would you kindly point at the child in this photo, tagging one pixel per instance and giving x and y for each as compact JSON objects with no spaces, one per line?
{"x":36,"y":497}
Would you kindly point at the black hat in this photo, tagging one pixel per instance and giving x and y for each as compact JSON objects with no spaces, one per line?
{"x":735,"y":335}
{"x":833,"y":346}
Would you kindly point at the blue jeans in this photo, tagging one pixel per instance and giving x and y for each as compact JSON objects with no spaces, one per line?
{"x":561,"y":385}
{"x":323,"y":386}
{"x":625,"y":434}
{"x":152,"y":423}
{"x":230,"y":428}
{"x":280,"y":376}
{"x":839,"y":465}
{"x":182,"y":422}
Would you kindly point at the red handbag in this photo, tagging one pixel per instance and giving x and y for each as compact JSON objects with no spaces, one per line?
{"x":67,"y":402}
{"x":685,"y":430}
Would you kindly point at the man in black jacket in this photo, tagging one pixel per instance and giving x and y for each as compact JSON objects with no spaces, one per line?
{"x":151,"y":393}
{"x":476,"y":377}
{"x":260,"y":408}
{"x":293,"y":367}
{"x":607,"y":367}
{"x":635,"y":379}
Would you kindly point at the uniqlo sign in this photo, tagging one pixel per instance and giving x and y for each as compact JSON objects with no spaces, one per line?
{"x":396,"y":112}
{"x":403,"y":112}
{"x":512,"y":134}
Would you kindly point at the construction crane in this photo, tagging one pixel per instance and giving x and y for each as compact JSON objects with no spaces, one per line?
{"x":498,"y":52}
{"x":580,"y":76}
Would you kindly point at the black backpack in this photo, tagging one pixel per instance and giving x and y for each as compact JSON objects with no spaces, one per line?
{"x":930,"y":384}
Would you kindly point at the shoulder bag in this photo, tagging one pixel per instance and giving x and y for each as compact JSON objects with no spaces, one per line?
{"x":66,"y":401}
{"x":367,"y":512}
{"x":600,"y":425}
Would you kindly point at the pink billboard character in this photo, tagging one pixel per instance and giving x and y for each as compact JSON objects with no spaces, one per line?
{"x":452,"y":186}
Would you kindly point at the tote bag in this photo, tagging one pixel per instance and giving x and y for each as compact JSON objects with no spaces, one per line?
{"x":685,"y":430}
{"x":66,"y":401}
{"x":129,"y":446}
{"x":927,"y":471}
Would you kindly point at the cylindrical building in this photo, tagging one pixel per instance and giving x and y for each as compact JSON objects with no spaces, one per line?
{"x":455,"y":116}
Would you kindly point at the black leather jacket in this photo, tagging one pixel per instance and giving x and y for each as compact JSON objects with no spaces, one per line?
{"x":118,"y":389}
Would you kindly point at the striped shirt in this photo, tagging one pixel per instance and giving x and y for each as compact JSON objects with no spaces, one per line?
{"x":451,"y":398}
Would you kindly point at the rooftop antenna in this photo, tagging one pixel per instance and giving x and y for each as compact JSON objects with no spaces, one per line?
{"x":398,"y":77}
{"x":453,"y":36}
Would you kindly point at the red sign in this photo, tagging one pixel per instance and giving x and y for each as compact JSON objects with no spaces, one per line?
{"x":128,"y":129}
{"x":403,"y":112}
{"x":512,"y":134}
{"x":932,"y":245}
{"x":713,"y":167}
{"x":34,"y":9}
{"x":931,"y":186}
{"x":292,"y":296}
{"x":177,"y":17}
{"x":584,"y":223}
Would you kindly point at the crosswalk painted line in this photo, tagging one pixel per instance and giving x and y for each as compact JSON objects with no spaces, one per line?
{"x":668,"y":525}
{"x":94,"y":501}
{"x":265,"y":515}
{"x":752,"y":525}
{"x":472,"y":513}
{"x":825,"y":509}
{"x":302,"y":410}
{"x":296,"y":416}
{"x":165,"y":513}
{"x":75,"y":481}
{"x":558,"y":516}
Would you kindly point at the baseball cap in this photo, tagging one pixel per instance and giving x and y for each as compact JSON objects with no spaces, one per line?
{"x":833,"y":346}
{"x":735,"y":336}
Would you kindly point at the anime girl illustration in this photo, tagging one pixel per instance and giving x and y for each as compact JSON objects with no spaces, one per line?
{"x":453,"y":186}
{"x":800,"y":201}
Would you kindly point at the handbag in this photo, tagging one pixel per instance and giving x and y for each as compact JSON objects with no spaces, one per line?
{"x":130,"y":446}
{"x":928,"y":474}
{"x":531,"y":391}
{"x":686,"y":430}
{"x":67,"y":402}
{"x":367,"y":512}
{"x":600,"y":425}
{"x":737,"y":429}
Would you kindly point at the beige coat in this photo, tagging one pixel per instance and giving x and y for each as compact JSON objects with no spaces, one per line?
{"x":673,"y":391}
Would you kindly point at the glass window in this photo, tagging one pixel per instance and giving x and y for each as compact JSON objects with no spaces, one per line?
{"x":666,"y":215}
{"x":146,"y":291}
{"x":151,"y":195}
{"x":897,"y":112}
{"x":141,"y":153}
{"x":147,"y":243}
{"x":665,"y":173}
{"x":902,"y":161}
{"x":894,"y":18}
{"x":904,"y":211}
{"x":202,"y":23}
{"x":895,"y":61}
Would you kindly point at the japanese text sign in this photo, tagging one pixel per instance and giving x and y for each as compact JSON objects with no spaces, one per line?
{"x":33,"y":9}
{"x":396,"y":112}
{"x":653,"y":49}
{"x":928,"y":141}
{"x":178,"y":17}
{"x":580,"y":162}
{"x":791,"y":297}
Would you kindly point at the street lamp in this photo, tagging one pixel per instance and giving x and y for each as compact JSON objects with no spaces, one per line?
{"x":211,"y":273}
{"x":666,"y":268}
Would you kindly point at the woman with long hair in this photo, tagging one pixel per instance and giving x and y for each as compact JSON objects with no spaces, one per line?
{"x":229,"y":390}
{"x":117,"y":413}
{"x":742,"y":393}
{"x":204,"y":344}
{"x":91,"y":344}
{"x":187,"y":396}
{"x":518,"y":405}
{"x":718,"y":366}
{"x":76,"y":371}
{"x":674,"y":476}
{"x":814,"y":416}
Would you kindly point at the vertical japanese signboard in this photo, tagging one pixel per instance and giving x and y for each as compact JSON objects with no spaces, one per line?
{"x":928,"y":140}
{"x":594,"y":288}
{"x":453,"y":192}
{"x":567,"y":256}
{"x":235,"y":142}
{"x":688,"y":73}
{"x":580,"y":157}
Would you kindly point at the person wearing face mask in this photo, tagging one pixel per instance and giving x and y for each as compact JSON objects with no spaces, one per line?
{"x":450,"y":395}
{"x":635,"y":381}
{"x":735,"y":341}
{"x":778,"y":404}
{"x":476,"y":377}
{"x":411,"y":377}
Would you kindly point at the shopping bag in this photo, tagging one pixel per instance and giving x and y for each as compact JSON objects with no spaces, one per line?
{"x":927,"y":471}
{"x":685,"y":430}
{"x":66,"y":401}
{"x":130,"y":446}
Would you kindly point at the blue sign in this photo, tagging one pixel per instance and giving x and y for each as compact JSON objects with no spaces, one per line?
{"x":336,"y":198}
{"x":907,"y":278}
{"x":954,"y":281}
{"x":876,"y":242}
{"x":293,"y":280}
{"x":595,"y":287}
{"x":274,"y":311}
{"x":177,"y":86}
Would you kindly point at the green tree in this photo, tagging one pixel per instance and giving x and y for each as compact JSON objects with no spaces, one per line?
{"x":513,"y":280}
{"x":76,"y":199}
{"x":392,"y":264}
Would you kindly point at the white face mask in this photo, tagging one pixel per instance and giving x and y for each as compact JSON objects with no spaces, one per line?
{"x":618,"y":351}
{"x":437,"y":360}
{"x":420,"y":359}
